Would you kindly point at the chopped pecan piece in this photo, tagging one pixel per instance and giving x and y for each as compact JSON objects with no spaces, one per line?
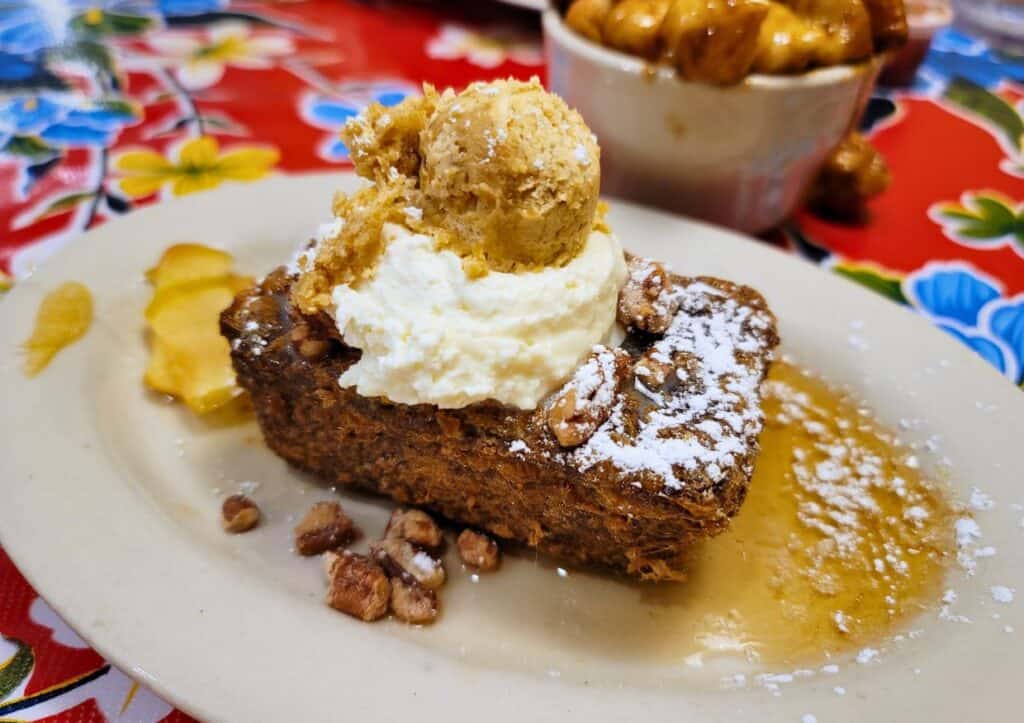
{"x":586,"y":401}
{"x":413,"y":603}
{"x":299,"y":332}
{"x":357,"y":585}
{"x":646,"y":300}
{"x":654,"y":369}
{"x":478,"y":551}
{"x":325,"y":527}
{"x":854,"y":173}
{"x":313,"y":349}
{"x":239,"y":514}
{"x":416,"y":527}
{"x":401,"y":559}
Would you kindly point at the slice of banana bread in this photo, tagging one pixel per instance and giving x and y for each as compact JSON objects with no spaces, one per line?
{"x":648,"y":449}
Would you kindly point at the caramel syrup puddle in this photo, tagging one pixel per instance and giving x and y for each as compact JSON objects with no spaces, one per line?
{"x":64,"y":316}
{"x":841,"y":540}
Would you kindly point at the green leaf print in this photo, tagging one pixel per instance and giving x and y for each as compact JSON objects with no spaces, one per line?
{"x":888,"y":286}
{"x":978,"y":101}
{"x":29,"y":147}
{"x":16,"y":668}
{"x":107,"y":23}
{"x":985,"y":218}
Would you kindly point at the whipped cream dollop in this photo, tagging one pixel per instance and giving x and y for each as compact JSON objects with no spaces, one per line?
{"x":431,"y":335}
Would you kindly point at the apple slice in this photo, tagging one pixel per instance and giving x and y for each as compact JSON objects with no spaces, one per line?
{"x":187,"y":262}
{"x":191,"y":360}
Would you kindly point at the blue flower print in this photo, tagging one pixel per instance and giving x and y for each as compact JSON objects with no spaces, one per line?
{"x":1006,"y":319}
{"x":332,"y":112}
{"x":64,"y":125}
{"x":987,"y":349}
{"x":24,"y":28}
{"x":953,"y":294}
{"x":29,"y":115}
{"x":956,"y":55}
{"x":970,"y":307}
{"x":178,"y":8}
{"x":17,"y":68}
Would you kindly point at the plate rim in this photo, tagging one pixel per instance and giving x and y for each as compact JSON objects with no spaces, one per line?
{"x":44,"y":576}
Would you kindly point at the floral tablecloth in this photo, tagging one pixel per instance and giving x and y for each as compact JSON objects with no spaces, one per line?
{"x":109,"y":105}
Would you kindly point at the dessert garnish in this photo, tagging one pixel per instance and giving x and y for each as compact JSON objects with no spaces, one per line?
{"x":64,"y":316}
{"x":844,"y":536}
{"x":722,"y":41}
{"x":854,"y":173}
{"x":239,"y":514}
{"x":190,"y":360}
{"x":474,"y":266}
{"x":356,"y":585}
{"x":325,"y":527}
{"x":484,"y":348}
{"x":478,"y":551}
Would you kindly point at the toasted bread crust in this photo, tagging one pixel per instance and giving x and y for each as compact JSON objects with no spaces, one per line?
{"x":487,"y":465}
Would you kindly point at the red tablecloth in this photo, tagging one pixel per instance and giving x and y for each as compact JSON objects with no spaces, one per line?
{"x":116,"y":104}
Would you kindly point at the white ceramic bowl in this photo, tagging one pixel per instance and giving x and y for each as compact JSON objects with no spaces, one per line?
{"x":741,"y":156}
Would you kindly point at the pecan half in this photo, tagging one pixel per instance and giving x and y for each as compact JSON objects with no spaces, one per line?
{"x":656,"y":371}
{"x":413,"y":603}
{"x":357,"y":585}
{"x":313,"y":349}
{"x":401,"y":559}
{"x":239,"y":514}
{"x":586,"y":401}
{"x":415,"y":526}
{"x":325,"y":527}
{"x":646,"y":300}
{"x":478,"y":551}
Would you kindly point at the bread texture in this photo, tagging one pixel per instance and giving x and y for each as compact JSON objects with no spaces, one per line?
{"x":668,"y":465}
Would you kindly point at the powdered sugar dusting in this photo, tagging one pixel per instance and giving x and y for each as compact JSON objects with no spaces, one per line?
{"x":1002,"y":594}
{"x":712,"y":416}
{"x":968,"y":533}
{"x":251,"y":335}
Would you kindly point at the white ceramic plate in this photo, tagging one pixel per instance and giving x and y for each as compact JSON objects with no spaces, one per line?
{"x":109,"y":502}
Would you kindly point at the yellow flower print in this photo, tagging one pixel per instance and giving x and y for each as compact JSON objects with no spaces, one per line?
{"x":487,"y":49}
{"x":200,"y":59}
{"x":200,"y":166}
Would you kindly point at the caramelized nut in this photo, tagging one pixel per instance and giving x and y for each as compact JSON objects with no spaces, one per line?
{"x":415,"y":526}
{"x":403,"y":560}
{"x":586,"y":401}
{"x":656,"y":371}
{"x":653,"y":369}
{"x":357,"y":585}
{"x":587,"y":17}
{"x":646,"y":301}
{"x":478,"y":551}
{"x":325,"y":527}
{"x":299,"y":332}
{"x":313,"y":349}
{"x":633,"y":26}
{"x":413,"y":603}
{"x":239,"y":514}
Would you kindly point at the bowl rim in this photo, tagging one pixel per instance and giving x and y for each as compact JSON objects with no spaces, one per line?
{"x":556,"y":30}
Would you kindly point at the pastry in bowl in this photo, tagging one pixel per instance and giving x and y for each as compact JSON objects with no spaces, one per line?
{"x":467,"y":336}
{"x":723,"y":110}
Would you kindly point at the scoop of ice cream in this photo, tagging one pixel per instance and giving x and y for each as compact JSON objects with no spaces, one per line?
{"x":511,"y":174}
{"x":430,"y":334}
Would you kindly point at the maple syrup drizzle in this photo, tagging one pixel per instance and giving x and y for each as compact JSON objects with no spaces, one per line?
{"x":842,"y":537}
